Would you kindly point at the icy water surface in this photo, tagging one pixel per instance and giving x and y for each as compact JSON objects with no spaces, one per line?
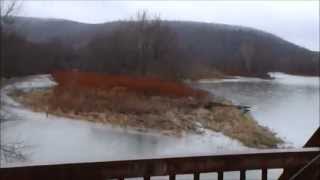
{"x":289,"y":105}
{"x":51,"y":139}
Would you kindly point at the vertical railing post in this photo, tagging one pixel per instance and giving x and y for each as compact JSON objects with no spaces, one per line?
{"x":220,"y":175}
{"x":264,"y":174}
{"x":172,"y":177}
{"x":243,"y":175}
{"x":196,"y":176}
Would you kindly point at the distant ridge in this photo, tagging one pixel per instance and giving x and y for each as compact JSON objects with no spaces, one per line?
{"x":210,"y":44}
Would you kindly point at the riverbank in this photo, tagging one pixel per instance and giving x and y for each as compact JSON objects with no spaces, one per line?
{"x":169,"y":116}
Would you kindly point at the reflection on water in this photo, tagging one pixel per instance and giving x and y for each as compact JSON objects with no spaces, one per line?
{"x":289,"y":105}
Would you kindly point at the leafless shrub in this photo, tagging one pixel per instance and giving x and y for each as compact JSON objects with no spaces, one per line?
{"x":9,"y":9}
{"x":12,"y":152}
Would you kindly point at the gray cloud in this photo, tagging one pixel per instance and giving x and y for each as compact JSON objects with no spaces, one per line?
{"x":295,"y":21}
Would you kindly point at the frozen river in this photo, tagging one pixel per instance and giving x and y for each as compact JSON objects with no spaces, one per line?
{"x":50,"y":140}
{"x":289,"y":105}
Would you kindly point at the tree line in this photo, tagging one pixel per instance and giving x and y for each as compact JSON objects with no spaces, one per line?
{"x":142,"y":46}
{"x":148,"y":46}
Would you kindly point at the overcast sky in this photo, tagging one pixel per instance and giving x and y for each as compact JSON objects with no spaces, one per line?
{"x":296,"y":21}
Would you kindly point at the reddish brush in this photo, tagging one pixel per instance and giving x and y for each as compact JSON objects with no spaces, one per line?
{"x":146,"y":85}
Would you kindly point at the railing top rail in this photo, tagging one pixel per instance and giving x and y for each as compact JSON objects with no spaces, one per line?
{"x":314,"y":141}
{"x":249,"y":152}
{"x":274,"y":158}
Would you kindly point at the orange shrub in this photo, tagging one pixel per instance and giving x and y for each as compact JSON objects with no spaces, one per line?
{"x":76,"y":80}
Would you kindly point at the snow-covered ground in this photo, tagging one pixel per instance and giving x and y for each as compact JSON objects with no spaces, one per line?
{"x":277,"y":77}
{"x":287,"y":79}
{"x":52,"y":139}
{"x":232,"y":79}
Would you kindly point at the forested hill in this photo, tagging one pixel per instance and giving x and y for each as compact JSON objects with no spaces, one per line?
{"x":208,"y":47}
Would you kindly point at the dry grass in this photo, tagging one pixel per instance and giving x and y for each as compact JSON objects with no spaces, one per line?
{"x":167,"y":115}
{"x":144,"y":103}
{"x":243,"y":127}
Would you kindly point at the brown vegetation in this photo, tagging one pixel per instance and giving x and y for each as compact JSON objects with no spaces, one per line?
{"x":165,"y":115}
{"x":75,"y":80}
{"x":118,"y":100}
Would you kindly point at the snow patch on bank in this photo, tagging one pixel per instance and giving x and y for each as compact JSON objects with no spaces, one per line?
{"x":276,"y":77}
{"x":288,"y":79}
{"x":232,"y":79}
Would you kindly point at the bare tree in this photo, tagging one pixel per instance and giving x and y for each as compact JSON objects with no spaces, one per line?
{"x":247,"y":50}
{"x":144,"y":45}
{"x":10,"y":151}
{"x":8,"y":9}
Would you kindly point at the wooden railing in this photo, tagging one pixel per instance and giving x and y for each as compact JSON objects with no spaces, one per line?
{"x":311,"y":172}
{"x":169,"y":166}
{"x":288,"y":159}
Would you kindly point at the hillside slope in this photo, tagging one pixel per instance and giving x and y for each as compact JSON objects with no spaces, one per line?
{"x":231,"y":49}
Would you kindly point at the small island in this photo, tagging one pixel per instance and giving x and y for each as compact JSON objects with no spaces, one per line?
{"x":145,"y":104}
